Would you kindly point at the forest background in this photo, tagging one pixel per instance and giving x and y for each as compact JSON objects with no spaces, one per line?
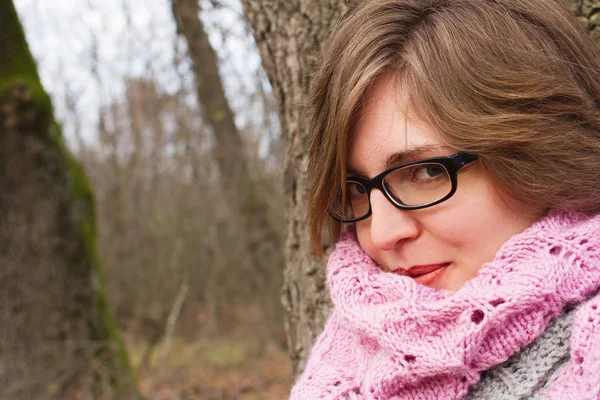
{"x":196,"y":157}
{"x":197,"y":315}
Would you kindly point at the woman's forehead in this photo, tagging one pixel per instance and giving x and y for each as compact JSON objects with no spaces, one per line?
{"x":388,"y":132}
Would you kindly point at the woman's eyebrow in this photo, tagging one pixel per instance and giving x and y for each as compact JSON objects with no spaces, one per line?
{"x":411,"y":154}
{"x":405,"y":156}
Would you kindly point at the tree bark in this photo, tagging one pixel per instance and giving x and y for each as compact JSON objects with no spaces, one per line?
{"x":289,"y":35}
{"x":58,"y":335}
{"x":588,"y":12}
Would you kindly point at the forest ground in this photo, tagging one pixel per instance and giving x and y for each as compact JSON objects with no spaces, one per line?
{"x":227,"y":368}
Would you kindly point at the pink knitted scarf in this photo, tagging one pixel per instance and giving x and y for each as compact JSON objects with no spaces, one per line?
{"x":389,"y":337}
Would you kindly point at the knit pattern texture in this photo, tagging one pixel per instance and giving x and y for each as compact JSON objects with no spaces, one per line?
{"x":389,"y":337}
{"x":527,"y":372}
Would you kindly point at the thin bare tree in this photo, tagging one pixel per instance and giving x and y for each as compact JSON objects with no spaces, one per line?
{"x":244,"y":196}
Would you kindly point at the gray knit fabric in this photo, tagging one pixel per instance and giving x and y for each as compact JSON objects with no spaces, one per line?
{"x":523,"y":375}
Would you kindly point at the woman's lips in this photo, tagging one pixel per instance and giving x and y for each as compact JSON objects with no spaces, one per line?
{"x":424,"y":274}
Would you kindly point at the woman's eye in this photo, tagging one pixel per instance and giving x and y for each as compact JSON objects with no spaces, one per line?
{"x":427,"y":172}
{"x":355,"y":189}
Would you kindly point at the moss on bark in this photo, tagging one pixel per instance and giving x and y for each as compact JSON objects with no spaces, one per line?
{"x":46,"y":199}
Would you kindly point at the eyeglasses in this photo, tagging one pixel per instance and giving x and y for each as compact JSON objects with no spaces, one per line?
{"x":409,"y":186}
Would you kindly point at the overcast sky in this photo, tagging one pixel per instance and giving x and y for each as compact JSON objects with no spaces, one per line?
{"x":85,"y":47}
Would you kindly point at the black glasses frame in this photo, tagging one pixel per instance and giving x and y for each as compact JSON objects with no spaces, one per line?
{"x":453,"y":163}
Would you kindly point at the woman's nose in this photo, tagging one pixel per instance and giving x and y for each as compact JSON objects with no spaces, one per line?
{"x":389,"y":224}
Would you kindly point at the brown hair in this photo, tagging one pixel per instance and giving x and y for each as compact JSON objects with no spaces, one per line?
{"x":513,"y":81}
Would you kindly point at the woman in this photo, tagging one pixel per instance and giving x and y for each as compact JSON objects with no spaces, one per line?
{"x":454,"y":155}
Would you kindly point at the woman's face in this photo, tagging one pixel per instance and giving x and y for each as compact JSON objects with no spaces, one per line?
{"x":452,"y":239}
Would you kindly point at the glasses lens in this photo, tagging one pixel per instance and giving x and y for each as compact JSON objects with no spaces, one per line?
{"x":419,"y":184}
{"x":356,"y":204}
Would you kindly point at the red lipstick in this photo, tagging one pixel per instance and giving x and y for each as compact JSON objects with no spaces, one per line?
{"x":424,"y":274}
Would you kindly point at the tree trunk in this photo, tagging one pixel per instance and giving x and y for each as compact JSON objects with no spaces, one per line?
{"x":261,"y":239}
{"x":58,"y":336}
{"x":289,"y":34}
